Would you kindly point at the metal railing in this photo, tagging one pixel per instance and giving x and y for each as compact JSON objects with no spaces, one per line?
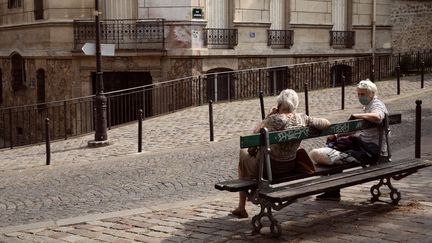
{"x":141,"y":34}
{"x":342,"y":39}
{"x":280,"y":38}
{"x":25,"y":124}
{"x":220,"y":38}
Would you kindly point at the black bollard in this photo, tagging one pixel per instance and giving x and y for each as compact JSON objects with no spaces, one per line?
{"x":422,"y":73}
{"x":418,"y":129}
{"x":211,"y":120}
{"x":306,"y":98}
{"x":261,"y":97}
{"x":47,"y":141}
{"x":398,"y":79}
{"x":343,"y":93}
{"x":140,"y":130}
{"x":10,"y":129}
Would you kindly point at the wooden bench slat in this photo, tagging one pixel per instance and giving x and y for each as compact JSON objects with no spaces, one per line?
{"x":237,"y":185}
{"x":247,"y":184}
{"x":299,"y":133}
{"x":303,"y":189}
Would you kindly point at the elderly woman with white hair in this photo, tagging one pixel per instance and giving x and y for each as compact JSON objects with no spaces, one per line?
{"x":361,"y":146}
{"x":284,"y":157}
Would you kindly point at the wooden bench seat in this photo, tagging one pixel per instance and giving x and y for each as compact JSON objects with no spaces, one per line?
{"x":336,"y":181}
{"x":238,"y":185}
{"x":298,"y":133}
{"x":275,"y":194}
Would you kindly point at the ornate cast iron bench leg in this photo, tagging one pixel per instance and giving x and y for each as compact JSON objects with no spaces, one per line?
{"x":395,"y":196}
{"x":266,"y":210}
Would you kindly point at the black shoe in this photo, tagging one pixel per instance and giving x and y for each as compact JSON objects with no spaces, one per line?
{"x":329,"y":196}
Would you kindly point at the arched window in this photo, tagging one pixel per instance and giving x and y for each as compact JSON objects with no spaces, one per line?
{"x":40,"y":80}
{"x":14,"y":3}
{"x":38,"y":9}
{"x":18,"y":72}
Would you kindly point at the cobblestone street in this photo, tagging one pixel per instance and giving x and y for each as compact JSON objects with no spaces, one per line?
{"x":166,"y":193}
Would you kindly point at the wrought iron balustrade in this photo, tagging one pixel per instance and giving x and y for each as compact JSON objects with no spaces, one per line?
{"x":342,"y":39}
{"x":69,"y":118}
{"x":220,"y":38}
{"x":280,"y":38}
{"x":138,"y":34}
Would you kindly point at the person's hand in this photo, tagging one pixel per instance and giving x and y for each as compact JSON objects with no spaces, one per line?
{"x":274,"y":110}
{"x":352,"y":117}
{"x":331,"y":138}
{"x":252,"y":151}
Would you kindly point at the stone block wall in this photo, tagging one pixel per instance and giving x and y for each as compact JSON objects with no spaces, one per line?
{"x":412,"y":25}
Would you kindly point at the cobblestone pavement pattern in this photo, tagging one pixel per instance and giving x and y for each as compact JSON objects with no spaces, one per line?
{"x":180,"y":164}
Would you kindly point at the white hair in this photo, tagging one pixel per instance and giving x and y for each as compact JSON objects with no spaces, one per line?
{"x":288,"y":99}
{"x":369,"y":85}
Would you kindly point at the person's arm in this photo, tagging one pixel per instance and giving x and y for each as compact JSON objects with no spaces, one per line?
{"x":258,"y":128}
{"x":372,"y":117}
{"x":273,"y":111}
{"x":318,"y":123}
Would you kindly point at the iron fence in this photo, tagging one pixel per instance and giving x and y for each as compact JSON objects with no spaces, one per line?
{"x":124,"y":33}
{"x":25,"y":124}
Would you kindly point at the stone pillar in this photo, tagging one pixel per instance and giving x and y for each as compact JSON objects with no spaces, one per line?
{"x":217,"y":15}
{"x":277,"y":14}
{"x":120,"y":9}
{"x":339,"y":15}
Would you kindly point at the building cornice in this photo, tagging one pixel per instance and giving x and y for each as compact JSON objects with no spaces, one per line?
{"x":50,"y":23}
{"x":183,"y":23}
{"x":252,"y":24}
{"x":310,"y":26}
{"x":369,"y":27}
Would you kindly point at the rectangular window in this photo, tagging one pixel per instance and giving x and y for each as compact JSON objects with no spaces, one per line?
{"x":14,"y":3}
{"x":38,"y":9}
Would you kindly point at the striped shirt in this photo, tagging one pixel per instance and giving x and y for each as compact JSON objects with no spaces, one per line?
{"x":372,"y":135}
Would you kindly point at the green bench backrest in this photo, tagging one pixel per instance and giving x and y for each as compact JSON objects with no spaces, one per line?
{"x":299,"y":133}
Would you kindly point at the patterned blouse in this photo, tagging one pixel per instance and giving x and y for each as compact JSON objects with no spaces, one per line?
{"x":287,"y":151}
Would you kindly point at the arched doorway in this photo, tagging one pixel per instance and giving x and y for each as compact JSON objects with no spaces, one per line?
{"x":18,"y":72}
{"x":338,"y":71}
{"x":278,"y":79}
{"x":1,"y":87}
{"x":220,"y":84}
{"x":40,"y":82}
{"x":126,"y":101}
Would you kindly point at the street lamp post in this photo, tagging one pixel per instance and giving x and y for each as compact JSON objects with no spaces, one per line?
{"x":100,"y":100}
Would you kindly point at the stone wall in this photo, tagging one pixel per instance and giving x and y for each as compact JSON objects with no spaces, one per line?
{"x":412,"y":25}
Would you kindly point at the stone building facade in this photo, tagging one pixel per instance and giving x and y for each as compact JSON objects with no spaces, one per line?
{"x":41,"y":40}
{"x":41,"y":58}
{"x":412,"y":26}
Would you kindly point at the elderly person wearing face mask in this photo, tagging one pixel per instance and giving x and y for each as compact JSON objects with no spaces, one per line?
{"x":285,"y":157}
{"x":361,"y":146}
